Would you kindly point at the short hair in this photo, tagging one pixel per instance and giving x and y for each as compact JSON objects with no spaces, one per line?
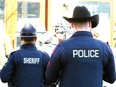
{"x":83,"y":23}
{"x":29,"y":39}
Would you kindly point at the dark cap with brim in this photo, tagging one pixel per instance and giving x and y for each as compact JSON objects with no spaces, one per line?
{"x":28,"y":31}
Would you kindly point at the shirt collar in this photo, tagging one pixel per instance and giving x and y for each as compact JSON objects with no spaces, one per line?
{"x":82,"y":33}
{"x":28,"y":46}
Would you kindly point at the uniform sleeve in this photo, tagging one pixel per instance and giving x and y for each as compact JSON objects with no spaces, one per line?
{"x":46,"y":58}
{"x":54,"y":65}
{"x":7,"y":70}
{"x":109,"y":65}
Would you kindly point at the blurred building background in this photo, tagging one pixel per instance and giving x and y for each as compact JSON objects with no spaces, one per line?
{"x":46,"y":17}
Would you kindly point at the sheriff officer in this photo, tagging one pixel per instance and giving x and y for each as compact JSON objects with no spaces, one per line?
{"x":26,"y":66}
{"x":81,"y":61}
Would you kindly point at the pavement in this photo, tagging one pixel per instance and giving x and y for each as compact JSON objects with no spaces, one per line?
{"x":3,"y":84}
{"x":105,"y":84}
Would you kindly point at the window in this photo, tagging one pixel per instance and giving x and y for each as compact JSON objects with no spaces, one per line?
{"x":1,"y":9}
{"x":28,"y":9}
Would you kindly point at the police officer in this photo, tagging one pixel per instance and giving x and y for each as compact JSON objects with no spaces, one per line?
{"x":26,"y":66}
{"x":81,"y":61}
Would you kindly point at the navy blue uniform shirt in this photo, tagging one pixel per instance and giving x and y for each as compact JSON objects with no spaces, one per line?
{"x":81,"y":61}
{"x":25,"y":67}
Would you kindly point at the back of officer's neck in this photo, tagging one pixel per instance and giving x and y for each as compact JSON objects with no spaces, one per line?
{"x":28,"y":42}
{"x":82,"y":29}
{"x":86,"y":26}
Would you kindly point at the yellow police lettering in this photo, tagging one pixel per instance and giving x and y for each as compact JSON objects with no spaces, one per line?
{"x":86,"y":53}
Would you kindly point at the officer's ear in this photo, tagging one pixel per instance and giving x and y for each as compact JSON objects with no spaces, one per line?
{"x":21,"y":38}
{"x":35,"y":38}
{"x":90,"y":24}
{"x":72,"y":24}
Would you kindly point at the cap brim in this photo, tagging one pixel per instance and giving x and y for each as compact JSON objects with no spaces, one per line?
{"x":27,"y":36}
{"x":94,"y":19}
